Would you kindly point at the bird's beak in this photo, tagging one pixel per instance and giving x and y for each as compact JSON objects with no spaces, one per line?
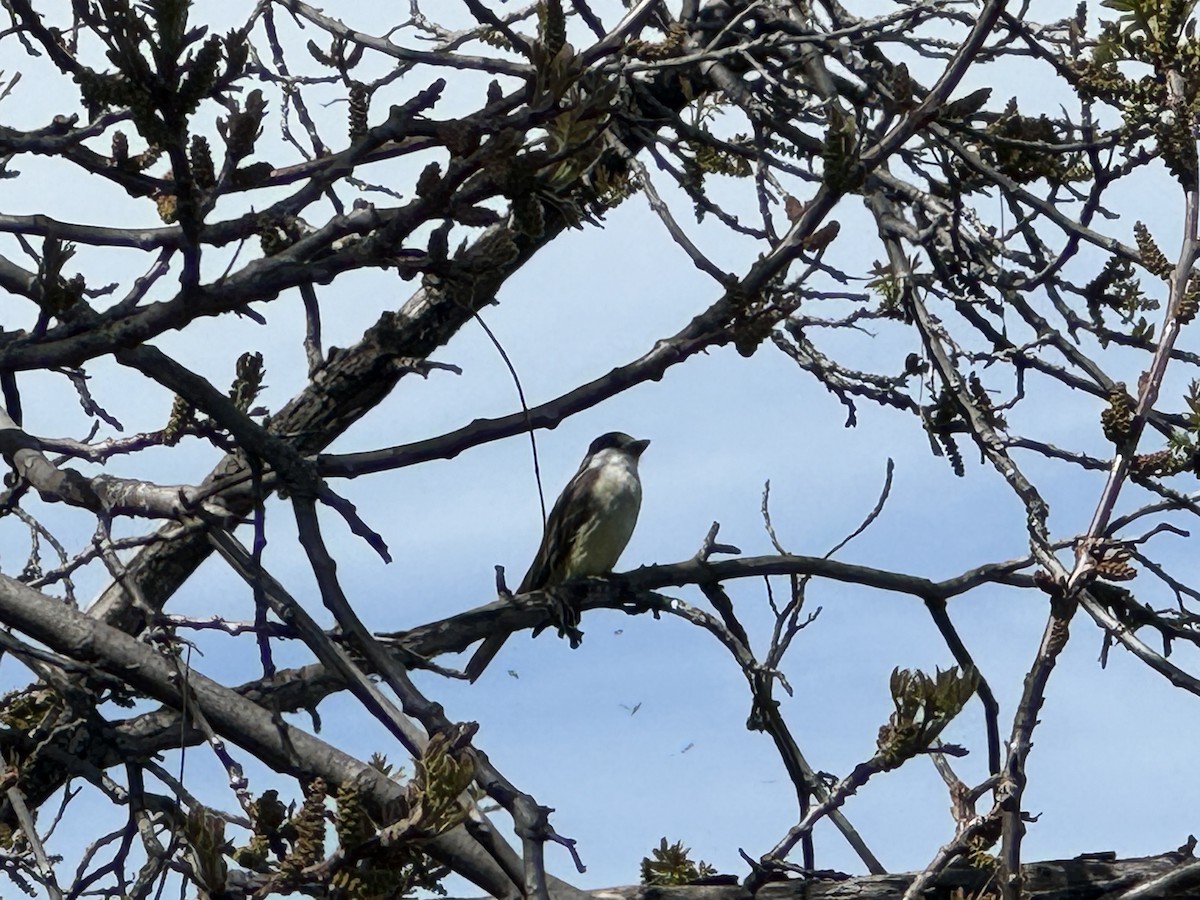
{"x":636,"y":448}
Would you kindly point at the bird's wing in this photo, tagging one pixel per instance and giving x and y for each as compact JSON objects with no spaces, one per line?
{"x":572,"y":509}
{"x":562,"y":530}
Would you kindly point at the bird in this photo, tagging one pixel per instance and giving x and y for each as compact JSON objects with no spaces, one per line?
{"x":589,"y":526}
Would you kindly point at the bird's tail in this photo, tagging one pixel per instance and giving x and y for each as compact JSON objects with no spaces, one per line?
{"x":485,"y":654}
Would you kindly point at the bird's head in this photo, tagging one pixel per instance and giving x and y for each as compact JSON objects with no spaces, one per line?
{"x":620,"y":441}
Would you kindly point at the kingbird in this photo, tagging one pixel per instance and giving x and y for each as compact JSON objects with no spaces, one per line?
{"x":589,"y":526}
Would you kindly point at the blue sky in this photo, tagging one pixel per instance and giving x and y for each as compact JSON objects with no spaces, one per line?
{"x":684,"y":765}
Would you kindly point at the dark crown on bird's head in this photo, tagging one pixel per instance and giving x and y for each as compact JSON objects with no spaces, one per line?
{"x":618,"y":440}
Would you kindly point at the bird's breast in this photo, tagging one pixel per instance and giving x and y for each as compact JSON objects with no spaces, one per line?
{"x":618,"y":497}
